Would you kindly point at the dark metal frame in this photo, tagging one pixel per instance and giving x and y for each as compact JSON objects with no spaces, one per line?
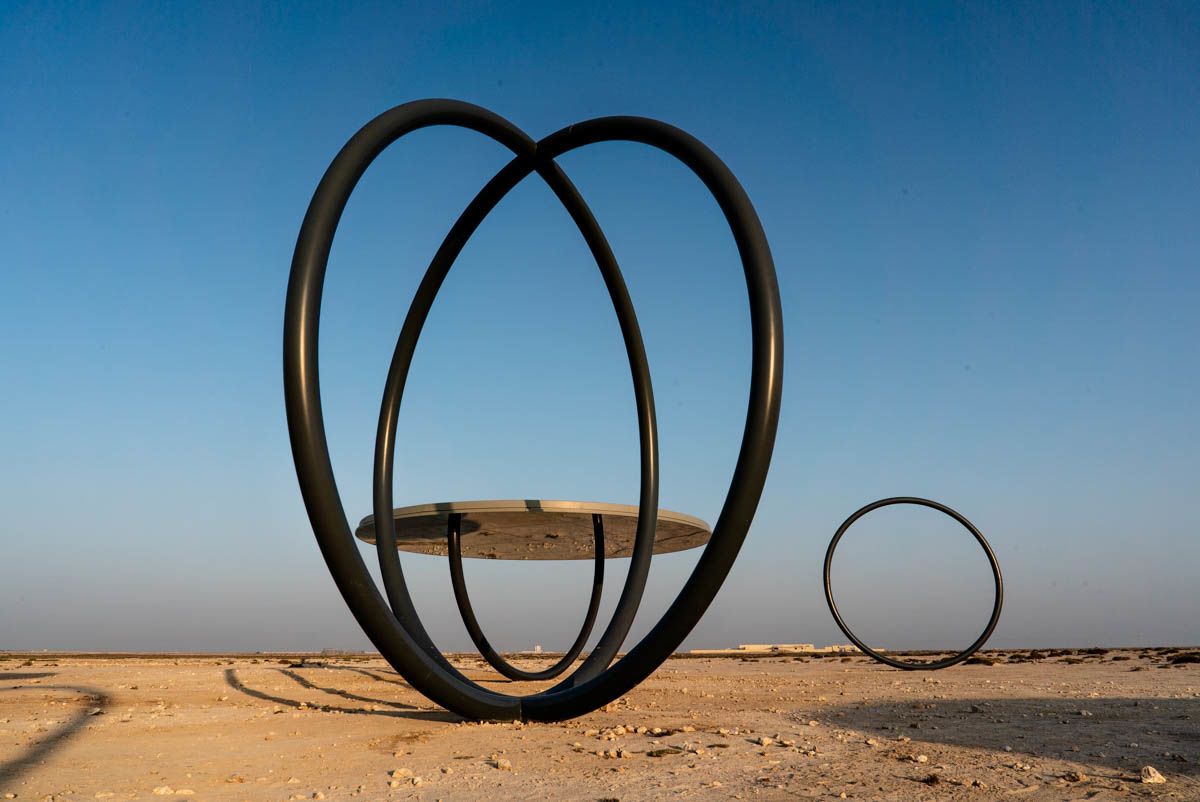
{"x":494,"y":659}
{"x":393,"y":625}
{"x":891,"y":661}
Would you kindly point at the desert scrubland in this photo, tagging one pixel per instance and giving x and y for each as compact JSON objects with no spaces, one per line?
{"x":1052,"y":724}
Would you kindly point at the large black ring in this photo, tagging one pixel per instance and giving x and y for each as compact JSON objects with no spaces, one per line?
{"x":395,"y":629}
{"x":477,"y":210}
{"x":987,"y":549}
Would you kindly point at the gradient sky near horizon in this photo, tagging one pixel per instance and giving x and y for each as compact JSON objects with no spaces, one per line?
{"x":983,"y":216}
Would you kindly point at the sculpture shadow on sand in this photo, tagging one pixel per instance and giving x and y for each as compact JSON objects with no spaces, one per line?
{"x":93,"y":700}
{"x":1119,"y":734}
{"x":397,"y":709}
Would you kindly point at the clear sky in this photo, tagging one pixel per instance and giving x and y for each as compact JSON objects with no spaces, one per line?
{"x":984,"y":219}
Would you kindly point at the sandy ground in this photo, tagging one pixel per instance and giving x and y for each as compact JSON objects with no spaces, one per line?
{"x":1057,"y":726}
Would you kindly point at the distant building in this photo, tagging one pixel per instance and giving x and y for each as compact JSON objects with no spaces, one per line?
{"x":783,"y":648}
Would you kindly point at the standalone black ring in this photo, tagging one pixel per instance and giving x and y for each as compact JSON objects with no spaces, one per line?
{"x":398,"y":635}
{"x":987,"y":549}
{"x":494,"y":658}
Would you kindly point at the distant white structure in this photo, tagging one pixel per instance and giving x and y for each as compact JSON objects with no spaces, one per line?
{"x":783,"y":648}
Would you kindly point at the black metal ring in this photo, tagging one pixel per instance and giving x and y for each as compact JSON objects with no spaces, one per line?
{"x":987,"y":549}
{"x":481,"y":205}
{"x":403,"y":642}
{"x":496,"y":660}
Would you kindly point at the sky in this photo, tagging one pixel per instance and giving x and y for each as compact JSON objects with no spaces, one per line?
{"x":983,"y":218}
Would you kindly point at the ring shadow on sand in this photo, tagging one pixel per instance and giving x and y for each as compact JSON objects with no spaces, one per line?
{"x":17,"y":676}
{"x":1123,"y":734}
{"x":395,"y":679}
{"x":399,"y":709}
{"x":304,"y":682}
{"x":93,"y":698}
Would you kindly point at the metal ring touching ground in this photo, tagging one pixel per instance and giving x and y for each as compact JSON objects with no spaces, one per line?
{"x":494,"y":658}
{"x":460,"y":233}
{"x":400,"y":637}
{"x":987,"y":549}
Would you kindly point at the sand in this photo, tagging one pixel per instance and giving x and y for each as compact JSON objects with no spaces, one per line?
{"x":1058,"y":726}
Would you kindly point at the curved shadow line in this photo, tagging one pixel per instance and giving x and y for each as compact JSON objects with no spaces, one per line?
{"x":304,"y":682}
{"x":395,"y":679}
{"x":232,"y":680}
{"x":12,"y":676}
{"x":11,"y":770}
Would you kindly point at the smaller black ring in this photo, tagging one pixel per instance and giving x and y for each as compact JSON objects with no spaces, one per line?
{"x":987,"y":549}
{"x":496,"y":660}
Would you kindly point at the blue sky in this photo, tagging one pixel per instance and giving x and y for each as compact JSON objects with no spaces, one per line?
{"x":983,"y":218}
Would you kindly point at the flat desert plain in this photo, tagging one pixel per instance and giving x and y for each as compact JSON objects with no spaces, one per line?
{"x":1053,"y":724}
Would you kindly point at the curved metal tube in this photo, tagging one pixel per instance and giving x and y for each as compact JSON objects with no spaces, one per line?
{"x":954,"y":659}
{"x":494,"y":658}
{"x":400,"y":637}
{"x":643,"y":547}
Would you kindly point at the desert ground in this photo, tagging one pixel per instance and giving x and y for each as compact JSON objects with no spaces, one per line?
{"x":1051,"y":724}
